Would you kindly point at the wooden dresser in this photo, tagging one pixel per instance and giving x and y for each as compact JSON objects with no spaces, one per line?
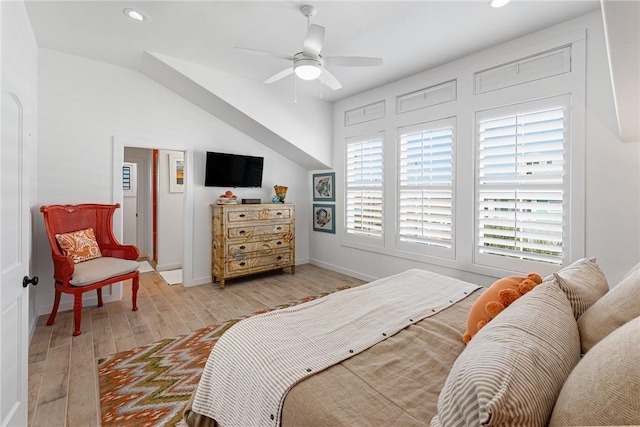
{"x":248,"y":239}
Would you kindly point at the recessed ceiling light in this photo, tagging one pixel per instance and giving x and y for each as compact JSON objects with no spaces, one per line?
{"x":136,"y":15}
{"x":498,"y":3}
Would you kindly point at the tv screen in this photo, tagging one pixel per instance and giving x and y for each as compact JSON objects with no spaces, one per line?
{"x":233,"y":170}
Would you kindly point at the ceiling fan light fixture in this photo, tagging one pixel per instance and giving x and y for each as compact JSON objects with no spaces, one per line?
{"x":307,"y":69}
{"x":498,"y":3}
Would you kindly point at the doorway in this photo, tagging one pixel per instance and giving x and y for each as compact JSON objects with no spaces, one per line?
{"x":155,"y":210}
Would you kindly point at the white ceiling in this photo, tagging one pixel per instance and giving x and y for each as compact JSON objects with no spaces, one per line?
{"x":411,"y":36}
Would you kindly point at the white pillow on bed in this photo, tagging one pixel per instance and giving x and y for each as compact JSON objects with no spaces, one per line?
{"x":584,"y":283}
{"x":614,"y":309}
{"x":512,"y":371}
{"x":604,"y":388}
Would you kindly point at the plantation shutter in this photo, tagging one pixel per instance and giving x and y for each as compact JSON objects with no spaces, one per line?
{"x":364,"y":161}
{"x":521,"y":188}
{"x":426,"y":185}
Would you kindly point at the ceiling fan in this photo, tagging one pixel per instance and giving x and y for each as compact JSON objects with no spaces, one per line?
{"x":310,"y":64}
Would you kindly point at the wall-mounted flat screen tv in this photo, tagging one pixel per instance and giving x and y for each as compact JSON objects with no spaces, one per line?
{"x":233,"y":170}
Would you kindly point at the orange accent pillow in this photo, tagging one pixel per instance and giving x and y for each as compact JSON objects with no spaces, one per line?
{"x":495,"y":299}
{"x":80,"y":245}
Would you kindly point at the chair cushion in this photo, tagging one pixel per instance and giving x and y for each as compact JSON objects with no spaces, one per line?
{"x":80,"y":245}
{"x":512,"y":371}
{"x":95,"y":270}
{"x":604,"y":388}
{"x":614,"y":309}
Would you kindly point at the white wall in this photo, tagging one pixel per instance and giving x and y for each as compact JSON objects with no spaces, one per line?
{"x":84,"y":103}
{"x":170,"y":231}
{"x":612,"y":169}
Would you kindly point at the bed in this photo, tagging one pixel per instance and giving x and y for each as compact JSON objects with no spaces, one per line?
{"x":523,"y":368}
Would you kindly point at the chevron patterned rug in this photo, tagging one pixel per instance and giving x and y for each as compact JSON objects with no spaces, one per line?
{"x":150,"y":385}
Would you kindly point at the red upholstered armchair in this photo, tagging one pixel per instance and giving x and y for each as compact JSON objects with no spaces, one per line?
{"x":86,"y":254}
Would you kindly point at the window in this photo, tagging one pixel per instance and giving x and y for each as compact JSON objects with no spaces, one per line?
{"x":425,"y":205}
{"x":522,"y":183}
{"x":364,"y":171}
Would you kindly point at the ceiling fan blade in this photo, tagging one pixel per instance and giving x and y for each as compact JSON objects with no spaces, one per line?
{"x":329,"y":79}
{"x":281,"y":75}
{"x":265,"y":53}
{"x":351,"y":61}
{"x":313,"y":41}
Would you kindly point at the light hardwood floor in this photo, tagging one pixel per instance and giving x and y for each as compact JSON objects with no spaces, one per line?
{"x":63,"y":379}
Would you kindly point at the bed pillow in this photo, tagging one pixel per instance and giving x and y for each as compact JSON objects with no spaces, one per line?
{"x":513,"y":370}
{"x":604,"y":388}
{"x":80,"y":245}
{"x":495,"y":299}
{"x":584,"y":283}
{"x":614,"y":309}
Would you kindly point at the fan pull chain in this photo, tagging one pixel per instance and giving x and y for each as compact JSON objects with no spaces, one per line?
{"x":295,"y":89}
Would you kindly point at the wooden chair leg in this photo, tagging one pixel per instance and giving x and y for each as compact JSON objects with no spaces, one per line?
{"x":77,"y":313}
{"x":54,"y":310}
{"x":99,"y":290}
{"x":135,"y":284}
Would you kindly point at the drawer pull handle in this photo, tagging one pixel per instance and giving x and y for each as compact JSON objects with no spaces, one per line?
{"x":242,"y":264}
{"x":243,"y":247}
{"x":278,"y":228}
{"x":279,"y":243}
{"x":242,"y":215}
{"x":242,"y":231}
{"x":279,"y":257}
{"x":279,"y":213}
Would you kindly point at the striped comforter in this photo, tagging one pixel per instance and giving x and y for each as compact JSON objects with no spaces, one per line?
{"x":256,"y":362}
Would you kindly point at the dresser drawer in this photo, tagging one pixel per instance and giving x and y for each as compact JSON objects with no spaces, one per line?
{"x":258,"y":232}
{"x":258,"y":214}
{"x":262,"y":247}
{"x":262,"y":263}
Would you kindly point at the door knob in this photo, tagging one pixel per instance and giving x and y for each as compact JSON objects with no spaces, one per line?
{"x":26,"y":281}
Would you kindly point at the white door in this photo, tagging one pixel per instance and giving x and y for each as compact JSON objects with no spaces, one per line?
{"x":129,"y":204}
{"x":15,"y":253}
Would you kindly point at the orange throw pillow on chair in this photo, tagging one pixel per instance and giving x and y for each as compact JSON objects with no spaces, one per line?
{"x":496,"y":298}
{"x":80,"y":245}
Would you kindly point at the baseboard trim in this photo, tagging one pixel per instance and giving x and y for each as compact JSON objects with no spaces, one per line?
{"x":165,"y":267}
{"x":341,"y":270}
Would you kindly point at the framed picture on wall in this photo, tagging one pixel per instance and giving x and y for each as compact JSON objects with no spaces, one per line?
{"x":324,"y":218}
{"x":323,"y":187}
{"x":176,"y":173}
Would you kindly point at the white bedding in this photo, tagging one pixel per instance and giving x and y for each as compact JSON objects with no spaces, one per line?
{"x":256,"y":362}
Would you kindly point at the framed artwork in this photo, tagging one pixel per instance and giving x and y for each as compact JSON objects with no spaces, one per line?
{"x":129,"y":179}
{"x":176,"y":173}
{"x":324,"y":187}
{"x":324,"y":218}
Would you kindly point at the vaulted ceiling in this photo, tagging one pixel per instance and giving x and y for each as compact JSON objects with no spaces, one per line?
{"x":410,"y":36}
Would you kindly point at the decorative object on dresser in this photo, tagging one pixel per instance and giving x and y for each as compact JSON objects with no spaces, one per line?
{"x":251,"y":239}
{"x":281,"y":192}
{"x":228,"y":198}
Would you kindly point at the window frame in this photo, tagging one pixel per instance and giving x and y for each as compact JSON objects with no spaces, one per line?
{"x":513,"y":264}
{"x":364,"y":238}
{"x":427,"y":249}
